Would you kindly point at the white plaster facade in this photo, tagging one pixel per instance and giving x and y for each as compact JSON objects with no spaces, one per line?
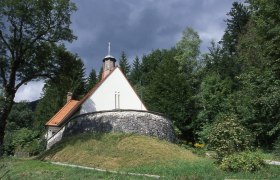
{"x":51,"y":131}
{"x":114,"y":93}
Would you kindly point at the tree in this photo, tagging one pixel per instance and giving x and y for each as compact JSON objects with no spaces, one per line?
{"x":188,"y":50}
{"x":100,"y":74}
{"x":221,"y":70}
{"x":21,"y":116}
{"x":212,"y":99}
{"x":91,"y":80}
{"x":267,"y":18}
{"x":29,"y":32}
{"x":258,"y":98}
{"x":169,"y":92}
{"x":239,"y":16}
{"x":69,"y":78}
{"x":149,"y":66}
{"x":124,"y":65}
{"x":135,"y":74}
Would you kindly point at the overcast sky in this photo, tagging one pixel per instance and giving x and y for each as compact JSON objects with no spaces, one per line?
{"x":137,"y":28}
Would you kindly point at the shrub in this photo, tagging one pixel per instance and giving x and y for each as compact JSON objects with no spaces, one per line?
{"x":23,"y":140}
{"x":243,"y":161}
{"x":228,"y":136}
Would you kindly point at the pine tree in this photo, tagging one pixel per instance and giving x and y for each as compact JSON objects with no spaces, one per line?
{"x":124,"y":65}
{"x":91,"y":80}
{"x":100,"y":74}
{"x":239,"y":16}
{"x":135,"y":74}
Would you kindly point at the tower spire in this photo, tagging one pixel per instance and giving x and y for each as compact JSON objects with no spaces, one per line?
{"x":108,"y":62}
{"x":109,"y":48}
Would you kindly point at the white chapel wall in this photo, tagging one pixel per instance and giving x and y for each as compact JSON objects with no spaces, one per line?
{"x":114,"y":93}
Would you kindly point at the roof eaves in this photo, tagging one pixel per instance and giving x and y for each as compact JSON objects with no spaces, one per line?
{"x":60,"y":111}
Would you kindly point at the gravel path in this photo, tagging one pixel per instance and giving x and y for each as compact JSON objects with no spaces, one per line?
{"x":277,"y":163}
{"x":103,"y":170}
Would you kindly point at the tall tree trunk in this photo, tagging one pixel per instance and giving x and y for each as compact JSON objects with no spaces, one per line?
{"x":7,"y":106}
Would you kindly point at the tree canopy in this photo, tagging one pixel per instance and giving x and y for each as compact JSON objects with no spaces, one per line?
{"x":29,"y":32}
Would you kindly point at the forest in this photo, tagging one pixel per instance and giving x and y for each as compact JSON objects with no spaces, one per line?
{"x":231,"y":92}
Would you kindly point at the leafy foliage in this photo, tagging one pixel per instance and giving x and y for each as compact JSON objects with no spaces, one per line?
{"x":228,"y":136}
{"x":20,"y":133}
{"x":29,"y":31}
{"x":244,"y":161}
{"x":21,"y":116}
{"x":25,"y":140}
{"x":213,"y":99}
{"x":188,"y":50}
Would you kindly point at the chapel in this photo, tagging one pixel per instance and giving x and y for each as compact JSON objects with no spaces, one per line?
{"x":113,"y":92}
{"x":112,"y":105}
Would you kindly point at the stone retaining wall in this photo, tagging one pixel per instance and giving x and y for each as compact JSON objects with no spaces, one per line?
{"x":139,"y":122}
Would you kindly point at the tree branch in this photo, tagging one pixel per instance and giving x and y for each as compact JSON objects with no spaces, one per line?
{"x":39,"y":36}
{"x":27,"y":79}
{"x":20,"y":36}
{"x":5,"y":42}
{"x":2,"y":75}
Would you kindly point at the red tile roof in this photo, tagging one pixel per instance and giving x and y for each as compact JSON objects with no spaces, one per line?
{"x":72,"y":106}
{"x":63,"y":113}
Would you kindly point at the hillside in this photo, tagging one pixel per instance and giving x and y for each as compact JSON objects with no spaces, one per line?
{"x":116,"y":151}
{"x":127,"y":153}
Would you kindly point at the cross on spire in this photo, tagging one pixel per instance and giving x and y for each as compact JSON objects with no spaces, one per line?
{"x":109,"y":48}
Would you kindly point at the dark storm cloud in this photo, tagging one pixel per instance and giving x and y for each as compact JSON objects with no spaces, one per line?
{"x":139,"y":26}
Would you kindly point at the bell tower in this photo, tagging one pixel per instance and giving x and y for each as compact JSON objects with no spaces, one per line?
{"x":108,"y":63}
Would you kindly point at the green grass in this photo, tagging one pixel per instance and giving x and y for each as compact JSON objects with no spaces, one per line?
{"x":126,"y":153}
{"x":268,"y":155}
{"x":12,"y":168}
{"x":116,"y":151}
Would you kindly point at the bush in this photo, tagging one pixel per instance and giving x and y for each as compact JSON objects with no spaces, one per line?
{"x":23,"y":140}
{"x":228,"y":136}
{"x":244,"y":161}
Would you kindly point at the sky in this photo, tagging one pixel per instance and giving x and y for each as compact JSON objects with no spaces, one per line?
{"x":136,"y":27}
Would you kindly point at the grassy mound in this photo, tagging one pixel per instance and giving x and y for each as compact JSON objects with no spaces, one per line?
{"x":117,"y":151}
{"x":122,"y":152}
